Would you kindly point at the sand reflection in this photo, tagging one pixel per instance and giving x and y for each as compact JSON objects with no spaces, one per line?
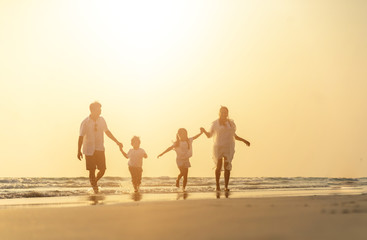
{"x":97,"y":199}
{"x":136,"y":196}
{"x":182,"y":195}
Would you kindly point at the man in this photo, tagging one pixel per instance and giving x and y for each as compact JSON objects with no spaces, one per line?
{"x":91,"y":138}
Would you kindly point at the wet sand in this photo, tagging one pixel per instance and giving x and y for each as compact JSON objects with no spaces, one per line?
{"x":307,"y":217}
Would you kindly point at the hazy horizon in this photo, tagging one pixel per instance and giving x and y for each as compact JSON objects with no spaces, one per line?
{"x":292,"y":73}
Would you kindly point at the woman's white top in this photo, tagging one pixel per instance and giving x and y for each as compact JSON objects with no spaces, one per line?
{"x":224,"y":141}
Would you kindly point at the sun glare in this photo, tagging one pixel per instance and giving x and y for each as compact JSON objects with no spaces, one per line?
{"x":139,"y":39}
{"x":145,"y":33}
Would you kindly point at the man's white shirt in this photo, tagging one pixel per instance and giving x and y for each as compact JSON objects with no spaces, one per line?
{"x":93,"y":133}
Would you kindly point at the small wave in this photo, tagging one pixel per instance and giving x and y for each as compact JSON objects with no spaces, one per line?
{"x":36,"y":194}
{"x":56,"y":187}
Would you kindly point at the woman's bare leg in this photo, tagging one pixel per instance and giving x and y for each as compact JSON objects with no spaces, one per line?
{"x":227,"y":174}
{"x":217,"y":173}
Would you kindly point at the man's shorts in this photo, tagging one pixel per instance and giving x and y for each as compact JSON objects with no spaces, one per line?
{"x":98,"y":160}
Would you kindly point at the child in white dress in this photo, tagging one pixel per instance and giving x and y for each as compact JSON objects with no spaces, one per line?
{"x":183,"y":149}
{"x":135,"y":156}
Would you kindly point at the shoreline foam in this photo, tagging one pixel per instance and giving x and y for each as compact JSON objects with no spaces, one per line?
{"x":105,"y":199}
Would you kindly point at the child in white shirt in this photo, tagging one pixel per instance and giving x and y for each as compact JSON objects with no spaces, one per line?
{"x":135,"y":156}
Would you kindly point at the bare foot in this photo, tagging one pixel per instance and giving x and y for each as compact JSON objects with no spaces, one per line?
{"x":95,"y":189}
{"x":177,"y":183}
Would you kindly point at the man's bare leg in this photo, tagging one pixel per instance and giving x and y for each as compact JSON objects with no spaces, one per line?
{"x":93,"y":181}
{"x":99,"y":176}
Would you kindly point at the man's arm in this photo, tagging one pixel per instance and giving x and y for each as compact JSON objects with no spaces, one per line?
{"x":80,"y":143}
{"x":241,"y":139}
{"x":109,"y":134}
{"x":123,"y":152}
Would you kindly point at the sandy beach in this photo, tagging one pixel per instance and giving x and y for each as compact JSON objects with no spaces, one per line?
{"x":310,"y":217}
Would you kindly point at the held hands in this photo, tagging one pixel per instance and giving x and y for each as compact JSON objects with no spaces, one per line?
{"x":122,"y":151}
{"x":120,"y":147}
{"x":202,"y":130}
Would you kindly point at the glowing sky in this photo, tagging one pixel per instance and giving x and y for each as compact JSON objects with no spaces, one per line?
{"x":292,"y":73}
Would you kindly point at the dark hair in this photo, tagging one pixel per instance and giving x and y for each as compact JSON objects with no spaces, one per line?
{"x":223,"y":107}
{"x":134,"y":139}
{"x":94,"y":105}
{"x":177,"y":143}
{"x":229,"y":121}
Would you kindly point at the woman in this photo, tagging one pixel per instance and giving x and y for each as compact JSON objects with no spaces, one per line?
{"x":223,"y":131}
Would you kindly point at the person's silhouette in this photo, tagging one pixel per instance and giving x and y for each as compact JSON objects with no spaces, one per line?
{"x":224,"y":132}
{"x":91,"y":138}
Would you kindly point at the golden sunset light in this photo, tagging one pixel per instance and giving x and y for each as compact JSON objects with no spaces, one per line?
{"x":290,"y":72}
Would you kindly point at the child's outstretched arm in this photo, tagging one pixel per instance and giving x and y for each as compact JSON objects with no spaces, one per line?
{"x":166,"y":151}
{"x":241,"y":139}
{"x":123,"y":153}
{"x":198,"y":135}
{"x":208,"y":134}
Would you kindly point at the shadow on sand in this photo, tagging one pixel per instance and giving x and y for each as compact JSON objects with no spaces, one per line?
{"x":182,"y":195}
{"x":96,"y":199}
{"x":220,"y":194}
{"x":136,"y":196}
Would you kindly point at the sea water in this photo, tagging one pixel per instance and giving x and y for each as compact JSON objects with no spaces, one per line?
{"x":64,"y":191}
